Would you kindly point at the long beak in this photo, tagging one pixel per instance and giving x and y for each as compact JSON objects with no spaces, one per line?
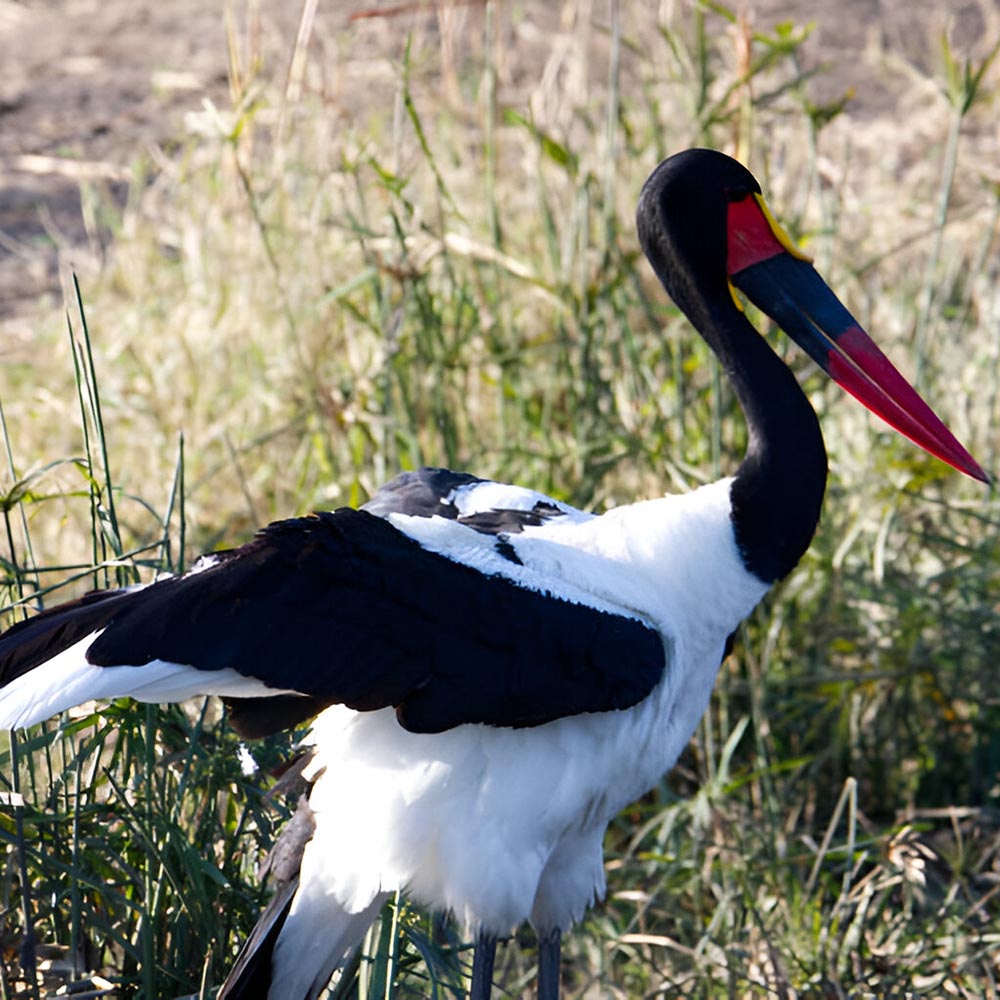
{"x":789,"y":290}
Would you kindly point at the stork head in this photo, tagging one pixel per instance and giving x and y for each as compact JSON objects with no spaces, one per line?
{"x":707,"y":231}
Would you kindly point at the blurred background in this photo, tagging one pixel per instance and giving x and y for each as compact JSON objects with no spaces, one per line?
{"x":317,"y":243}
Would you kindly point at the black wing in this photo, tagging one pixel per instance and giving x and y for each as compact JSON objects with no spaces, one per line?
{"x":344,"y":608}
{"x":29,"y":643}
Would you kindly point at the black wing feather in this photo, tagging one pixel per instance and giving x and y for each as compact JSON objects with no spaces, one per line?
{"x":29,"y":643}
{"x":250,"y":977}
{"x":420,"y":493}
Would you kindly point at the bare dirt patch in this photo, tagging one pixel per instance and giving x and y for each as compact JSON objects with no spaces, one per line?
{"x":87,"y":86}
{"x":90,"y":85}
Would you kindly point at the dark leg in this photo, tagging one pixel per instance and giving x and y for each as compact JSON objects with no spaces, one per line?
{"x":549,"y":947}
{"x":482,"y":967}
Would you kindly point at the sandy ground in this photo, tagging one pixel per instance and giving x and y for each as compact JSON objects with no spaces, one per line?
{"x":87,"y":86}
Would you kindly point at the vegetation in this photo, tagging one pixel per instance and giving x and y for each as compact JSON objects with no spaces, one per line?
{"x":431,"y":260}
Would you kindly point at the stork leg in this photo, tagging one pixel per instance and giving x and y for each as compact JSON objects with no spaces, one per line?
{"x":482,"y":966}
{"x":549,"y":951}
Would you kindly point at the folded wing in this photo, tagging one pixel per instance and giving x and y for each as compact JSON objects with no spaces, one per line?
{"x":339,"y":607}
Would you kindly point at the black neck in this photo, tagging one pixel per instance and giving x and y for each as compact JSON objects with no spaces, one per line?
{"x":778,"y":488}
{"x":683,"y":226}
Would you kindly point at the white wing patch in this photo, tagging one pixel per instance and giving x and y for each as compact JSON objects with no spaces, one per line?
{"x":68,"y":680}
{"x":464,"y":545}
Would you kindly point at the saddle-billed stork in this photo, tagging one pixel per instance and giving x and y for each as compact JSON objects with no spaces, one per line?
{"x":493,"y":674}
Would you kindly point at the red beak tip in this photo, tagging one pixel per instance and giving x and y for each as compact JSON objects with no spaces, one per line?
{"x":974,"y":470}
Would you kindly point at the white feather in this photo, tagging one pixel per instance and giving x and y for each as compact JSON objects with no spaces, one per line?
{"x":68,"y":679}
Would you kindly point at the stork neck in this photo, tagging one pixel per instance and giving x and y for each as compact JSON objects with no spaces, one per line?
{"x":778,"y":489}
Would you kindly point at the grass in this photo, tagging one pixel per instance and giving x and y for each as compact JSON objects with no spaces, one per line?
{"x":431,"y":261}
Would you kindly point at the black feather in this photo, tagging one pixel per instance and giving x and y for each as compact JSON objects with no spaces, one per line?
{"x":28,"y":644}
{"x":423,"y":493}
{"x":250,"y":976}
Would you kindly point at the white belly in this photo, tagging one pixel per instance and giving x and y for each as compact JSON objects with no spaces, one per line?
{"x":470,"y":819}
